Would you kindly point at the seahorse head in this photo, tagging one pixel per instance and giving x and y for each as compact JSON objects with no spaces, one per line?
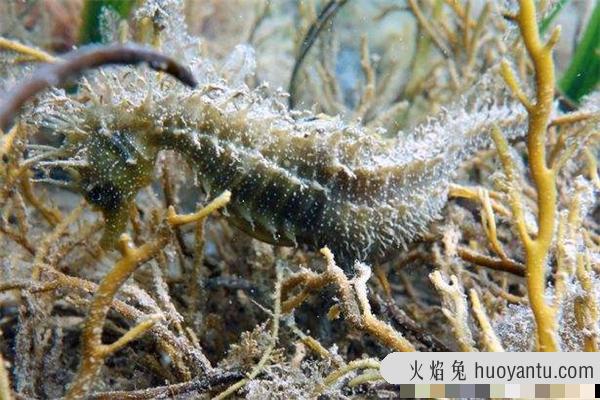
{"x":118,"y":165}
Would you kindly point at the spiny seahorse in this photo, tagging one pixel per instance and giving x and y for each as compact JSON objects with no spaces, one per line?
{"x":296,"y":180}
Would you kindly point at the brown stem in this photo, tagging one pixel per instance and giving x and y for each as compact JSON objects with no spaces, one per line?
{"x":82,"y":60}
{"x":498,"y":264}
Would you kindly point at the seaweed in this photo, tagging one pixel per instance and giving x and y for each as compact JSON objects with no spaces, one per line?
{"x":445,"y":202}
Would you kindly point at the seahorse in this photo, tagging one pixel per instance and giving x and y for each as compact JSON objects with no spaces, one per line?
{"x":296,"y":179}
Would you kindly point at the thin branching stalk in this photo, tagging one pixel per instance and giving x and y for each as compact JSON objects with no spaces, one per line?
{"x":544,"y":177}
{"x":455,"y":309}
{"x":489,"y":340}
{"x":33,"y":53}
{"x":587,"y":312}
{"x":214,"y":205}
{"x":94,"y":352}
{"x":356,"y":306}
{"x":336,"y":375}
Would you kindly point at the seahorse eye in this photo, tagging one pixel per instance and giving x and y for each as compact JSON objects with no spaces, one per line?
{"x":105,"y":196}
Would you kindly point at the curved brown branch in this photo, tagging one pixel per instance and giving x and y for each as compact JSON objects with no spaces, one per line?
{"x":85,"y":59}
{"x":498,"y":264}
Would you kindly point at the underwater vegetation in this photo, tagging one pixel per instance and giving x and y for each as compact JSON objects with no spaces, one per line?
{"x":247,"y":199}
